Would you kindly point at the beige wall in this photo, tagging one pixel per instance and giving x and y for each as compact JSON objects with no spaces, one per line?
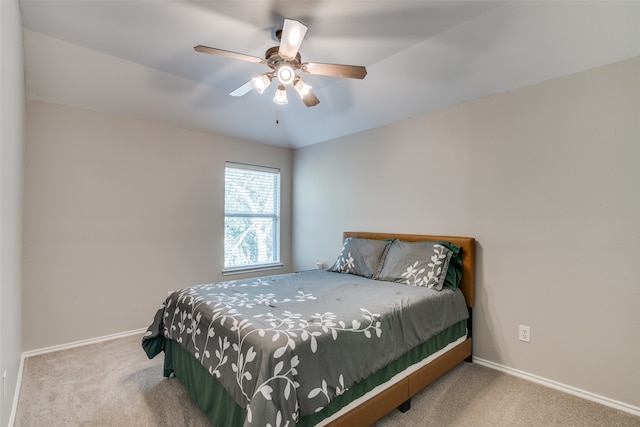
{"x":547,"y":179}
{"x":117,"y":213}
{"x":12,"y":118}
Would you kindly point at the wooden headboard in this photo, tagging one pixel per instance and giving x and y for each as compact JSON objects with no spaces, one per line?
{"x":468,"y":244}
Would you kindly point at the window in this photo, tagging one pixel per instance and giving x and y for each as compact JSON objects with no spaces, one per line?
{"x":251,"y":217}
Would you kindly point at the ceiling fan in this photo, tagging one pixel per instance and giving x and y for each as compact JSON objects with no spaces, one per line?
{"x":284,"y":60}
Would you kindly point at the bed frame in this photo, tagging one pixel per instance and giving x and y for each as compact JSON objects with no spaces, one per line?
{"x":399,"y":394}
{"x":396,"y":395}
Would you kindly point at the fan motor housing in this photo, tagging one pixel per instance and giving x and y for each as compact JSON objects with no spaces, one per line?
{"x":274,"y":60}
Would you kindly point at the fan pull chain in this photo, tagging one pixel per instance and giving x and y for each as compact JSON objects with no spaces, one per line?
{"x":277,"y":120}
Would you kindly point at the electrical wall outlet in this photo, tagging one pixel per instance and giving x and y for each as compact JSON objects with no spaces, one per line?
{"x":524,"y":333}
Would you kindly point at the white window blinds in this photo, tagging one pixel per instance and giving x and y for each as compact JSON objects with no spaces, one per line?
{"x":252,"y":217}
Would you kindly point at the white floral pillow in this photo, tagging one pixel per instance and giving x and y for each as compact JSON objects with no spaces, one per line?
{"x":361,"y":257}
{"x":416,"y":263}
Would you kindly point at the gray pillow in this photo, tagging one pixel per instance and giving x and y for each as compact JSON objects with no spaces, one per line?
{"x":361,"y":257}
{"x":422,"y":264}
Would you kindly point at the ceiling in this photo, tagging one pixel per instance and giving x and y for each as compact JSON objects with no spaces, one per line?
{"x":136,"y":59}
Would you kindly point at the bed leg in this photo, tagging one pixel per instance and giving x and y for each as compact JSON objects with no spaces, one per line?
{"x":405,"y":406}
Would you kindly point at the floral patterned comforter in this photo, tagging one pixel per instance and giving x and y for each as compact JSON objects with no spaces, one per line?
{"x":283,"y":346}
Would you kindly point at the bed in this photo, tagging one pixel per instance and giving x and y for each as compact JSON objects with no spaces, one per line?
{"x":338,"y":347}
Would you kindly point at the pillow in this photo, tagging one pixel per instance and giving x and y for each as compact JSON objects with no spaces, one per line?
{"x":454,"y":272}
{"x":361,"y":257}
{"x":422,"y":264}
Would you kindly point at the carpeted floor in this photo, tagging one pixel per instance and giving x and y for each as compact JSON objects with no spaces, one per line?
{"x":114,"y":384}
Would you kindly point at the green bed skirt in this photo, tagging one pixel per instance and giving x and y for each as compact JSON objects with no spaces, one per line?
{"x":222,"y":410}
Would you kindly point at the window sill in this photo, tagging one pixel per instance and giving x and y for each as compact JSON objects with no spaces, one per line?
{"x":241,"y":270}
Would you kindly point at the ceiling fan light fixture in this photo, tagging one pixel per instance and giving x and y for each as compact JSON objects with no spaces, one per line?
{"x":301,"y":87}
{"x":281,"y":95}
{"x":285,"y":74}
{"x":261,"y":82}
{"x":284,"y":60}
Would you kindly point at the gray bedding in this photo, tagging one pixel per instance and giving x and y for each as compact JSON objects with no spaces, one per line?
{"x":283,"y":346}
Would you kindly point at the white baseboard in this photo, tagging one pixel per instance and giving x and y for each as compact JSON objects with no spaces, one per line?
{"x":83,"y":342}
{"x":45,"y":350}
{"x":16,"y":394}
{"x":559,"y":386}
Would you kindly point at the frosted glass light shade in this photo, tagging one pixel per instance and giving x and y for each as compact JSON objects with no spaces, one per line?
{"x":261,"y":82}
{"x":281,"y":95}
{"x":302,"y":88}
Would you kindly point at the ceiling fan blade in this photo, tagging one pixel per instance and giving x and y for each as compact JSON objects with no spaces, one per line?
{"x":310,"y":99}
{"x":349,"y":71}
{"x":229,"y":54}
{"x":292,"y":35}
{"x":243,"y":90}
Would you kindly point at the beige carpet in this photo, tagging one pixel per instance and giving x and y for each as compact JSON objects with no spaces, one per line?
{"x":114,"y":384}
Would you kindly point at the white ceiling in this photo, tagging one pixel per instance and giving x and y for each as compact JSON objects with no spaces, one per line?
{"x":136,"y":58}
